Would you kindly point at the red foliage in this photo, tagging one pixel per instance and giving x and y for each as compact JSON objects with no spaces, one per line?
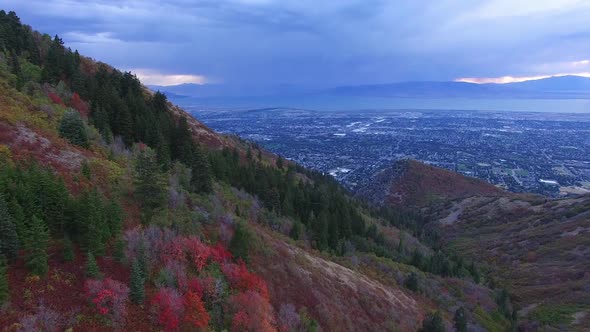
{"x":252,"y":312}
{"x":55,"y":98}
{"x":79,"y":105}
{"x":109,"y":298}
{"x":197,"y":251}
{"x":196,"y":314}
{"x":195,"y":286}
{"x":168,"y":305}
{"x":240,"y":278}
{"x":219,"y":254}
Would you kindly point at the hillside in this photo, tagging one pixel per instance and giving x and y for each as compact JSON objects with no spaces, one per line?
{"x":119,"y":211}
{"x":411,"y":183}
{"x":536,"y":248}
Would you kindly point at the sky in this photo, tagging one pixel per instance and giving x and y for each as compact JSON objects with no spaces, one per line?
{"x":322,"y":43}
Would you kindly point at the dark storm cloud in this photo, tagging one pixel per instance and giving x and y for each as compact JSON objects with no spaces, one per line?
{"x":322,"y":42}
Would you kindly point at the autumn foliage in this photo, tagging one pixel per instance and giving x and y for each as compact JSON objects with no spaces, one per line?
{"x":109,"y":298}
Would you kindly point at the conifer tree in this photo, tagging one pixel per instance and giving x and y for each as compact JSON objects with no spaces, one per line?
{"x":72,"y":128}
{"x":240,"y":242}
{"x":136,"y":287}
{"x":201,"y":173}
{"x":92,"y":270}
{"x":460,"y":320}
{"x":119,"y":250}
{"x":9,"y":242}
{"x":4,"y":286}
{"x":433,"y":323}
{"x":36,"y":246}
{"x":149,"y":181}
{"x":68,"y":252}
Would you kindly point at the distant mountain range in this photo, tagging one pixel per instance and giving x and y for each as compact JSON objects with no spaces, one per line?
{"x":563,"y":87}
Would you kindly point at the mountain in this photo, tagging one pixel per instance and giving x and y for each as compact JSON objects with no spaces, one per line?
{"x":119,"y":211}
{"x":536,"y":247}
{"x":412,"y":183}
{"x":564,"y":87}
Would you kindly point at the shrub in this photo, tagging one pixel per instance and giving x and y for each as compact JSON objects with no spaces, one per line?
{"x":433,"y":323}
{"x":109,"y":297}
{"x":196,"y":315}
{"x":411,"y":282}
{"x":240,"y":278}
{"x":44,"y":319}
{"x":168,"y":306}
{"x":460,"y":320}
{"x":252,"y":312}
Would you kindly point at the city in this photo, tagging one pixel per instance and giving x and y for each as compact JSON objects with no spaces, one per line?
{"x":542,"y":153}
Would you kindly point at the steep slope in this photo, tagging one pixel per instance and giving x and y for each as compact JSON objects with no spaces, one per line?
{"x":536,"y":248}
{"x":411,"y":183}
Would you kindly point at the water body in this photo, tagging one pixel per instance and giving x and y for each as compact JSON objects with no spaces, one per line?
{"x":340,"y":103}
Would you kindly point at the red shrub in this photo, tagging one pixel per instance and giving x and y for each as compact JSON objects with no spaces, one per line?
{"x":109,"y":298}
{"x":252,"y":312}
{"x":194,"y":286}
{"x":79,"y":105}
{"x":196,"y":314}
{"x":240,"y":278}
{"x":197,"y":251}
{"x":219,"y":254}
{"x":168,"y":306}
{"x":55,"y":98}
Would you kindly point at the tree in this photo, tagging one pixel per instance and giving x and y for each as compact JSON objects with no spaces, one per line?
{"x":240,"y":242}
{"x":92,"y":270}
{"x":201,"y":173}
{"x":72,"y":128}
{"x":36,"y":246}
{"x":110,"y":299}
{"x":460,"y":320}
{"x":149,"y":181}
{"x":68,"y":253}
{"x":168,"y":306}
{"x":9,"y":242}
{"x":411,"y":282}
{"x":195,"y":313}
{"x":136,"y":287}
{"x":433,"y":323}
{"x":4,"y":286}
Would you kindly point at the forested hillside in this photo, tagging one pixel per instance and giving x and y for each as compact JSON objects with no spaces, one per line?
{"x":119,"y":211}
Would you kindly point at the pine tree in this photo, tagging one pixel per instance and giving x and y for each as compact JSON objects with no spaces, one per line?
{"x":92,"y":270}
{"x":240,"y":242}
{"x":460,"y":320}
{"x":36,"y":246}
{"x":119,"y":250}
{"x":72,"y":128}
{"x":149,"y":182}
{"x":136,"y":287}
{"x":9,"y":242}
{"x":68,"y":252}
{"x":411,"y":282}
{"x":201,"y":173}
{"x":433,"y":323}
{"x":4,"y":286}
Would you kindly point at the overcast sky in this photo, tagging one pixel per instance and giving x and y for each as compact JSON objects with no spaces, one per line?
{"x":321,"y":42}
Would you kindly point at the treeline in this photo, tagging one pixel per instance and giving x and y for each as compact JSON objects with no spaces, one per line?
{"x":316,"y":202}
{"x":35,"y":204}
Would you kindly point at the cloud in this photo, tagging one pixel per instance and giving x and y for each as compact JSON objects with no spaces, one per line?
{"x":152,"y":77}
{"x":328,"y":42}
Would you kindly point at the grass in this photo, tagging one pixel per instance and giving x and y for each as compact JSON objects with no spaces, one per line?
{"x":554,"y":314}
{"x":491,"y":322}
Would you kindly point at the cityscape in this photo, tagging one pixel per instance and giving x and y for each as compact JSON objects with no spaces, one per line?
{"x":541,"y":153}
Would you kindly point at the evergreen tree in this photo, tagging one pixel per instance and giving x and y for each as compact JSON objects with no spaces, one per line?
{"x":119,"y":250}
{"x":433,"y":323}
{"x":201,"y":173}
{"x":280,"y":162}
{"x":9,"y":242}
{"x":72,"y":128}
{"x":136,"y":287}
{"x":4,"y":285}
{"x":36,"y":246}
{"x":149,"y":182}
{"x":68,"y":251}
{"x":411,"y":282}
{"x":240,"y":242}
{"x":92,"y":270}
{"x":460,"y":320}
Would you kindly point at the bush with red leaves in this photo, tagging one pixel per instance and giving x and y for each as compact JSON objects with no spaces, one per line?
{"x":220,"y":254}
{"x":109,"y":297}
{"x":252,"y":312}
{"x":240,"y":278}
{"x":198,"y":252}
{"x":168,"y":307}
{"x":195,"y":313}
{"x":79,"y":105}
{"x":55,"y":98}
